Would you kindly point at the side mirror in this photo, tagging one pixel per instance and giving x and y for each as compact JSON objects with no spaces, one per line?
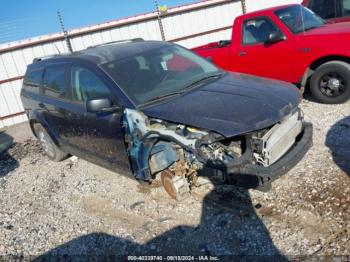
{"x":223,"y":43}
{"x":275,"y":37}
{"x":100,"y":105}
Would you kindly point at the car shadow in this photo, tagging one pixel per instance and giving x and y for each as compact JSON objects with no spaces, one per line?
{"x":7,"y":162}
{"x":229,"y":228}
{"x":338,"y":141}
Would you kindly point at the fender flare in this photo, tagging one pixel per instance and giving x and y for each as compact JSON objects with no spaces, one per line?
{"x":35,"y":118}
{"x":307,"y":74}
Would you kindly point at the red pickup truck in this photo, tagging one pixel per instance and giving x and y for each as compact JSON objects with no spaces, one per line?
{"x":292,"y":44}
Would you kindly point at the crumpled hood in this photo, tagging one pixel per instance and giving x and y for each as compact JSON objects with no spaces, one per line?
{"x":232,"y":105}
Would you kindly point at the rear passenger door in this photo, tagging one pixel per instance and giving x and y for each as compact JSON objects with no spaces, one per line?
{"x":30,"y":90}
{"x":97,"y":137}
{"x":54,"y":103}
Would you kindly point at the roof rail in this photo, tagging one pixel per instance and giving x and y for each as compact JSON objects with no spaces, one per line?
{"x":38,"y":59}
{"x":119,"y":41}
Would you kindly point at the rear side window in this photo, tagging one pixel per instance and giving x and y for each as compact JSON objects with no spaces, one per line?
{"x":54,"y":82}
{"x":32,"y":80}
{"x":86,"y":85}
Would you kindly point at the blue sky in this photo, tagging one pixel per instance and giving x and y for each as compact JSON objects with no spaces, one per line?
{"x":21,"y":19}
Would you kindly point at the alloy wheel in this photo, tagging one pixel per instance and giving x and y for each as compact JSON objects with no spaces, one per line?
{"x":46,"y":144}
{"x":332,"y":84}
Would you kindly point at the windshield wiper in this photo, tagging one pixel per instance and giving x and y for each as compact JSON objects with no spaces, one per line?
{"x":202,"y":79}
{"x":161,"y":97}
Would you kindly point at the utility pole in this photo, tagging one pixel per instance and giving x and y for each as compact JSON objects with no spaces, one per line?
{"x":244,"y":6}
{"x":65,"y":33}
{"x":160,"y":20}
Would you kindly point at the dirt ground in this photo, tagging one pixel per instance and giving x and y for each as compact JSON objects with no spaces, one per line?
{"x":75,"y":208}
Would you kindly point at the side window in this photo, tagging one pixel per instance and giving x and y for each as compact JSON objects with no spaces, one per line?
{"x":256,"y":31}
{"x":55,"y":81}
{"x":86,"y":85}
{"x":32,"y":80}
{"x":324,"y":8}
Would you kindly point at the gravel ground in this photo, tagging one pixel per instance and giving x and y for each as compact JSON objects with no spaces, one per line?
{"x":74,"y":207}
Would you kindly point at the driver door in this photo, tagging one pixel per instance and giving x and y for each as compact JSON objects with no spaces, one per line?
{"x":97,"y":137}
{"x":255,"y":56}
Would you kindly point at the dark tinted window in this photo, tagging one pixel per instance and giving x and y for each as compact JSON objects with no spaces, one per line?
{"x":257,"y":30}
{"x":299,"y":19}
{"x":346,"y":7}
{"x":324,"y":8}
{"x":55,"y":81}
{"x":32,"y":80}
{"x":86,"y":85}
{"x":157,"y":73}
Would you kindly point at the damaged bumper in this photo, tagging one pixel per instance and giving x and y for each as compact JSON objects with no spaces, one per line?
{"x":176,"y":153}
{"x":256,"y":176}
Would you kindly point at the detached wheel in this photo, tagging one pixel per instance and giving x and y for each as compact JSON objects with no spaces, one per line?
{"x":49,"y":147}
{"x":330,"y":84}
{"x":176,"y":186}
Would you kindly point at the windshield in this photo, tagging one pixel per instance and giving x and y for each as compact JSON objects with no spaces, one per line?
{"x":159,"y":73}
{"x":299,"y":19}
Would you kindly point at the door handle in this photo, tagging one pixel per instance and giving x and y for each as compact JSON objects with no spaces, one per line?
{"x":242,"y":53}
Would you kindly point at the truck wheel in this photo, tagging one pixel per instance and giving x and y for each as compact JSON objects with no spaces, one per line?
{"x":330,"y":84}
{"x":49,"y":147}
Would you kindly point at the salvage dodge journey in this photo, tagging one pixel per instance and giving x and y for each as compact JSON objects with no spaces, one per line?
{"x":157,"y":111}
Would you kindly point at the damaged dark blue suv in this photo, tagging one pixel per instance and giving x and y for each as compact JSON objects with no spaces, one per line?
{"x":160,"y":112}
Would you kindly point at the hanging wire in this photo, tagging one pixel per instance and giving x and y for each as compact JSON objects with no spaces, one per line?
{"x":9,"y":31}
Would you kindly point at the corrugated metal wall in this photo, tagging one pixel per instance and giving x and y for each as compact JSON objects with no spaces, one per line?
{"x":189,"y":25}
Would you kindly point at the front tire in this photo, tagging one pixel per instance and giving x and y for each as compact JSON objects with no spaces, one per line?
{"x":47,"y":144}
{"x":330,"y":84}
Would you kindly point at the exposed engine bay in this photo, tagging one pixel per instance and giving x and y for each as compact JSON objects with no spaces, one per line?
{"x":175,"y":153}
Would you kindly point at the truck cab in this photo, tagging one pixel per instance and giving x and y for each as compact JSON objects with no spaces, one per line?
{"x":289,"y":43}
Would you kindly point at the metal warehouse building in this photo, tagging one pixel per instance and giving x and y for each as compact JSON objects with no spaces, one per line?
{"x":189,"y":25}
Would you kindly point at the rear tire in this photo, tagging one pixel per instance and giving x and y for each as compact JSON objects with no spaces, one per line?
{"x":48,"y":145}
{"x":330,"y":84}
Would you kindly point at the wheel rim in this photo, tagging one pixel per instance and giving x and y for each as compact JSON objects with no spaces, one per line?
{"x":46,"y":144}
{"x":332,"y":84}
{"x":167,"y":177}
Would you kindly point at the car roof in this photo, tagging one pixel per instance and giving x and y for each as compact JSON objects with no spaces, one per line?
{"x":104,"y":53}
{"x":267,"y":10}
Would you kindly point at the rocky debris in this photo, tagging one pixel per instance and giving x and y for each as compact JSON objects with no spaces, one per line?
{"x":74,"y":207}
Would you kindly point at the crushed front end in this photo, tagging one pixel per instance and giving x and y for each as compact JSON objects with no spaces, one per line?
{"x":175,"y":153}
